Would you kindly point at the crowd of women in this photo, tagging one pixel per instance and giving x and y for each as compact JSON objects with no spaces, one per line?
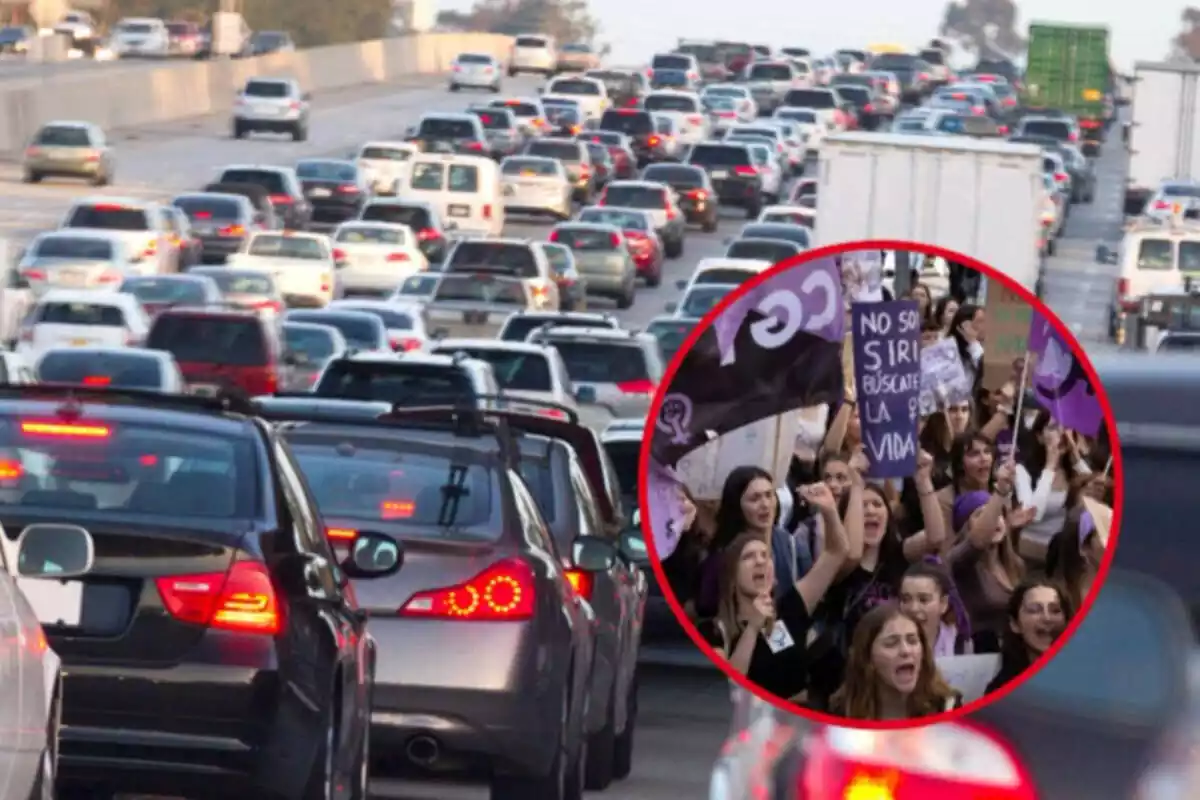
{"x":841,"y":593}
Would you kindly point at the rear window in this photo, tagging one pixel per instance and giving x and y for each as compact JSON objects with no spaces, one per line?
{"x":562,"y":151}
{"x":81,"y":314}
{"x":563,"y":114}
{"x":165,"y":290}
{"x":1189,"y":256}
{"x":361,"y":331}
{"x":474,"y":58}
{"x":374,"y":153}
{"x":326,"y":171}
{"x":271,"y":245}
{"x":529,"y":167}
{"x":774,"y":134}
{"x":404,"y":488}
{"x":469,"y":255}
{"x":108,"y":218}
{"x":933,"y":57}
{"x":648,"y":197}
{"x":441,"y":177}
{"x":529,"y":372}
{"x":180,"y":28}
{"x":703,"y":299}
{"x":443,"y":128}
{"x":633,"y":123}
{"x":715,"y":155}
{"x":766,"y":251}
{"x":615,"y":82}
{"x":803,"y":116}
{"x":274,"y":89}
{"x":392,"y":320}
{"x":480,"y":288}
{"x":809,"y":98}
{"x":494,"y":120}
{"x":686,"y":177}
{"x":369,"y":234}
{"x":520,"y":108}
{"x":1046,"y":127}
{"x":724,"y":275}
{"x":208,"y":208}
{"x":139,"y":28}
{"x":138,"y":469}
{"x":210,"y":339}
{"x":1181,"y":191}
{"x":670,"y":77}
{"x":584,"y":240}
{"x":517,"y":329}
{"x":670,"y":335}
{"x":669,"y":61}
{"x":397,"y":382}
{"x":238,"y":282}
{"x":1179,"y":344}
{"x":1156,"y":254}
{"x":75,"y":247}
{"x":531,"y":41}
{"x":110,"y":369}
{"x":609,"y":138}
{"x":859,"y":95}
{"x":603,"y":362}
{"x":671,"y":102}
{"x":890,"y":62}
{"x":414,"y":217}
{"x":313,"y":342}
{"x":574,"y":86}
{"x":273,"y":182}
{"x":770,"y":72}
{"x":63,"y":136}
{"x":625,"y":220}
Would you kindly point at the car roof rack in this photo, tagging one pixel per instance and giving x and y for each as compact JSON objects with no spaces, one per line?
{"x":224,"y":402}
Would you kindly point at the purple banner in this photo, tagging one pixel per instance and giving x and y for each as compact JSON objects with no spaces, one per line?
{"x":887,"y":376}
{"x":664,"y":516}
{"x":1059,"y":382}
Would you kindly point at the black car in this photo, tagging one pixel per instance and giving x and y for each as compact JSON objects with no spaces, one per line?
{"x":421,"y":217}
{"x":862,"y":101}
{"x":220,"y":222}
{"x":283,"y":190}
{"x":450,"y":133}
{"x":500,"y":127}
{"x":264,"y":212}
{"x":199,"y":562}
{"x":564,"y":119}
{"x":731,"y":170}
{"x":638,"y":125}
{"x":697,"y":198}
{"x":914,"y":75}
{"x":336,"y":189}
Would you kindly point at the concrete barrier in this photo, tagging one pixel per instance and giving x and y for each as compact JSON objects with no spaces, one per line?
{"x":121,"y":99}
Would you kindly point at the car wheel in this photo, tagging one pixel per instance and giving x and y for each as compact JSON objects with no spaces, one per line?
{"x":554,"y":784}
{"x":710,"y":225}
{"x":33,"y":177}
{"x":623,"y":752}
{"x":362,"y":765}
{"x":626,"y":299}
{"x":300,"y":133}
{"x":239,"y":131}
{"x":1051,"y":246}
{"x":674,"y":248}
{"x":654,"y":279}
{"x":512,"y":73}
{"x":601,"y":748}
{"x":321,"y":778}
{"x":101,"y":179}
{"x":454,"y":87}
{"x":496,"y":87}
{"x":753,"y":211}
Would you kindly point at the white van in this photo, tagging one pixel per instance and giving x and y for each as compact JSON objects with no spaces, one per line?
{"x":141,"y":36}
{"x":590,"y":93}
{"x":1154,"y":256}
{"x":384,"y":165}
{"x":465,"y":190}
{"x":533,"y":52}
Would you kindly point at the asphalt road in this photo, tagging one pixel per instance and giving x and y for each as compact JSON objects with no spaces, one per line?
{"x":19,"y":68}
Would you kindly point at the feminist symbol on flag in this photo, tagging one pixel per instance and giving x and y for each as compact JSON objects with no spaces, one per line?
{"x":674,"y":416}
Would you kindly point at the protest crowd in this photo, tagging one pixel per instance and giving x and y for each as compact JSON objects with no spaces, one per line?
{"x":937,"y":523}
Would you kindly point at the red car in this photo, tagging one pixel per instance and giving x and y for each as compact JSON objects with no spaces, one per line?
{"x":621,"y":150}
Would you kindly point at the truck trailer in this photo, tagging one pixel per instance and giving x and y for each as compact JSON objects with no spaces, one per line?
{"x":1162,"y":131}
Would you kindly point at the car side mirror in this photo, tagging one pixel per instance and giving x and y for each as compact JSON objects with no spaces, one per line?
{"x":1103,"y":254}
{"x":671,"y":308}
{"x":55,"y":552}
{"x":632,"y":543}
{"x":728,"y":240}
{"x":593,"y":554}
{"x":586,"y":394}
{"x":681,"y":285}
{"x":374,"y":555}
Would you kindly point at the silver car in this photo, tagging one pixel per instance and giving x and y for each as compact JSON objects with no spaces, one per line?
{"x":524,"y":370}
{"x":275,"y":105}
{"x":475,"y":71}
{"x":603,"y":258}
{"x":69,"y":150}
{"x":309,"y":347}
{"x":536,"y":185}
{"x":616,"y":368}
{"x":67,"y":259}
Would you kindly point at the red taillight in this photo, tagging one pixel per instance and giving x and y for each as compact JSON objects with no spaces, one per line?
{"x":280,"y":199}
{"x":341,"y":535}
{"x":615,"y":239}
{"x":203,"y":215}
{"x":637,"y":387}
{"x":1122,"y":288}
{"x":695,"y":119}
{"x":1074,"y":137}
{"x":108,"y":207}
{"x":1090,"y":123}
{"x":64,"y":430}
{"x":11,"y":470}
{"x":32,"y":152}
{"x":553,"y":413}
{"x":1161,"y":205}
{"x":34,"y":275}
{"x":339,"y":254}
{"x":396,"y":257}
{"x":1002,"y":130}
{"x":978,"y":110}
{"x":1061,"y":177}
{"x":697,"y":194}
{"x":397,"y":509}
{"x":487,"y":210}
{"x":631,"y":102}
{"x":868,"y":108}
{"x":267,"y":305}
{"x":745,"y":171}
{"x":425,"y":234}
{"x":347,"y":189}
{"x":504,"y":592}
{"x":243,"y":600}
{"x":924,"y":76}
{"x":653,"y":141}
{"x":96,"y":380}
{"x":726,"y":114}
{"x":405,"y":343}
{"x":232,"y":230}
{"x":475,"y":146}
{"x":581,"y":582}
{"x":259,"y":380}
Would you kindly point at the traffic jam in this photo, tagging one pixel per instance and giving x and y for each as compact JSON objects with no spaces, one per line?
{"x":267,"y":442}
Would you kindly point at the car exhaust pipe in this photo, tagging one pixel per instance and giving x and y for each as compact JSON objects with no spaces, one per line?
{"x":423,"y":750}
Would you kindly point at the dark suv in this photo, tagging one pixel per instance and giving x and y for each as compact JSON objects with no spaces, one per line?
{"x":221,"y":348}
{"x":283,"y":189}
{"x":734,"y":177}
{"x":638,"y":125}
{"x":221,"y":222}
{"x":697,"y":198}
{"x":450,"y":133}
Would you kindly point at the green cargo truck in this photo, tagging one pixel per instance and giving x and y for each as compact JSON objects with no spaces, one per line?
{"x":1067,"y":68}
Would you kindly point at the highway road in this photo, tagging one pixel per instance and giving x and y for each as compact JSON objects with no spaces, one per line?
{"x":684,"y":715}
{"x":19,"y":68}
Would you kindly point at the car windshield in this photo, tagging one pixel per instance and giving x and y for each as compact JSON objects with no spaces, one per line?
{"x":408,"y":489}
{"x":562,"y":151}
{"x":177,"y":290}
{"x":515,"y":370}
{"x":315,"y":342}
{"x":762,"y":249}
{"x":480,"y":288}
{"x":371,"y":234}
{"x":803,"y":116}
{"x":472,"y":255}
{"x":529,"y":167}
{"x":602,"y":362}
{"x":273,"y":182}
{"x":134,"y":470}
{"x":326,"y":171}
{"x":770,"y":72}
{"x":703,"y":299}
{"x":715,"y":155}
{"x":77,"y":248}
{"x":669,"y":61}
{"x":583,"y":240}
{"x":271,"y":245}
{"x":475,"y":58}
{"x":395,"y":382}
{"x":415,"y":217}
{"x":361,"y":331}
{"x":116,"y":370}
{"x":392,"y":319}
{"x":633,"y":123}
{"x":446,"y":128}
{"x":1046,"y":127}
{"x":210,"y":339}
{"x":686,"y":177}
{"x":625,"y":220}
{"x":574,"y":86}
{"x":63,"y":136}
{"x":671,"y":334}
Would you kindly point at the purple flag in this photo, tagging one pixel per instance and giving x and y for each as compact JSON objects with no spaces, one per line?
{"x":887,"y":375}
{"x":1059,"y":382}
{"x":665,"y":509}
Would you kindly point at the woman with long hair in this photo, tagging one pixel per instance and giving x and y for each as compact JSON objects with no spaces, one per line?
{"x":1045,"y":473}
{"x":682,"y":567}
{"x":971,"y":459}
{"x":944,"y":310}
{"x":1036,"y":615}
{"x":929,"y":596}
{"x":967,"y":328}
{"x":920,"y":292}
{"x":761,"y":627}
{"x":891,"y":673}
{"x":984,"y":562}
{"x":1076,"y":554}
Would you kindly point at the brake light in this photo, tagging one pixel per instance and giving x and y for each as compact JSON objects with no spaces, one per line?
{"x":33,"y":152}
{"x":487,"y":211}
{"x":849,"y":764}
{"x":243,"y":600}
{"x":63,"y":430}
{"x":96,"y":380}
{"x":1061,"y":177}
{"x":267,"y":305}
{"x":341,"y":534}
{"x":868,"y":108}
{"x":405,"y":343}
{"x":202,"y":215}
{"x":425,"y":234}
{"x":504,"y":592}
{"x":697,"y":194}
{"x":726,"y":114}
{"x":396,"y":509}
{"x":108,"y":207}
{"x":745,"y":171}
{"x":978,"y":110}
{"x":110,"y":276}
{"x":259,"y":380}
{"x":232,"y":230}
{"x":581,"y":582}
{"x":541,"y":293}
{"x":294,"y":106}
{"x":958,"y":97}
{"x":34,"y":275}
{"x":280,"y":199}
{"x":395,"y":257}
{"x":339,"y":254}
{"x":653,"y":141}
{"x":924,"y":76}
{"x":553,"y":413}
{"x":637,"y":387}
{"x":631,"y":103}
{"x":1161,"y":205}
{"x":695,"y":119}
{"x":348,"y":189}
{"x":1002,"y":130}
{"x":11,"y":470}
{"x":1073,"y":136}
{"x":553,"y":236}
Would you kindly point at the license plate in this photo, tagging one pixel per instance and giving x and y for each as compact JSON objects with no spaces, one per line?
{"x":719,"y":174}
{"x":80,"y":342}
{"x":54,"y":602}
{"x":319,"y":193}
{"x":475,"y":317}
{"x":509,"y":191}
{"x":61,"y":156}
{"x":71,"y":278}
{"x":266,"y":110}
{"x":204,"y":230}
{"x":203,"y":389}
{"x":460,"y":211}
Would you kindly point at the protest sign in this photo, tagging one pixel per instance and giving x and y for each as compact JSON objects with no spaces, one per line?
{"x":774,"y":349}
{"x":1008,"y":319}
{"x":943,"y":378}
{"x":887,"y":367}
{"x":969,"y":674}
{"x":812,"y":424}
{"x":766,"y":443}
{"x":1059,"y":382}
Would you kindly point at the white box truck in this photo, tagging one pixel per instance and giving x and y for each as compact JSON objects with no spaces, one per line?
{"x":1162,"y":130}
{"x":980,"y":197}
